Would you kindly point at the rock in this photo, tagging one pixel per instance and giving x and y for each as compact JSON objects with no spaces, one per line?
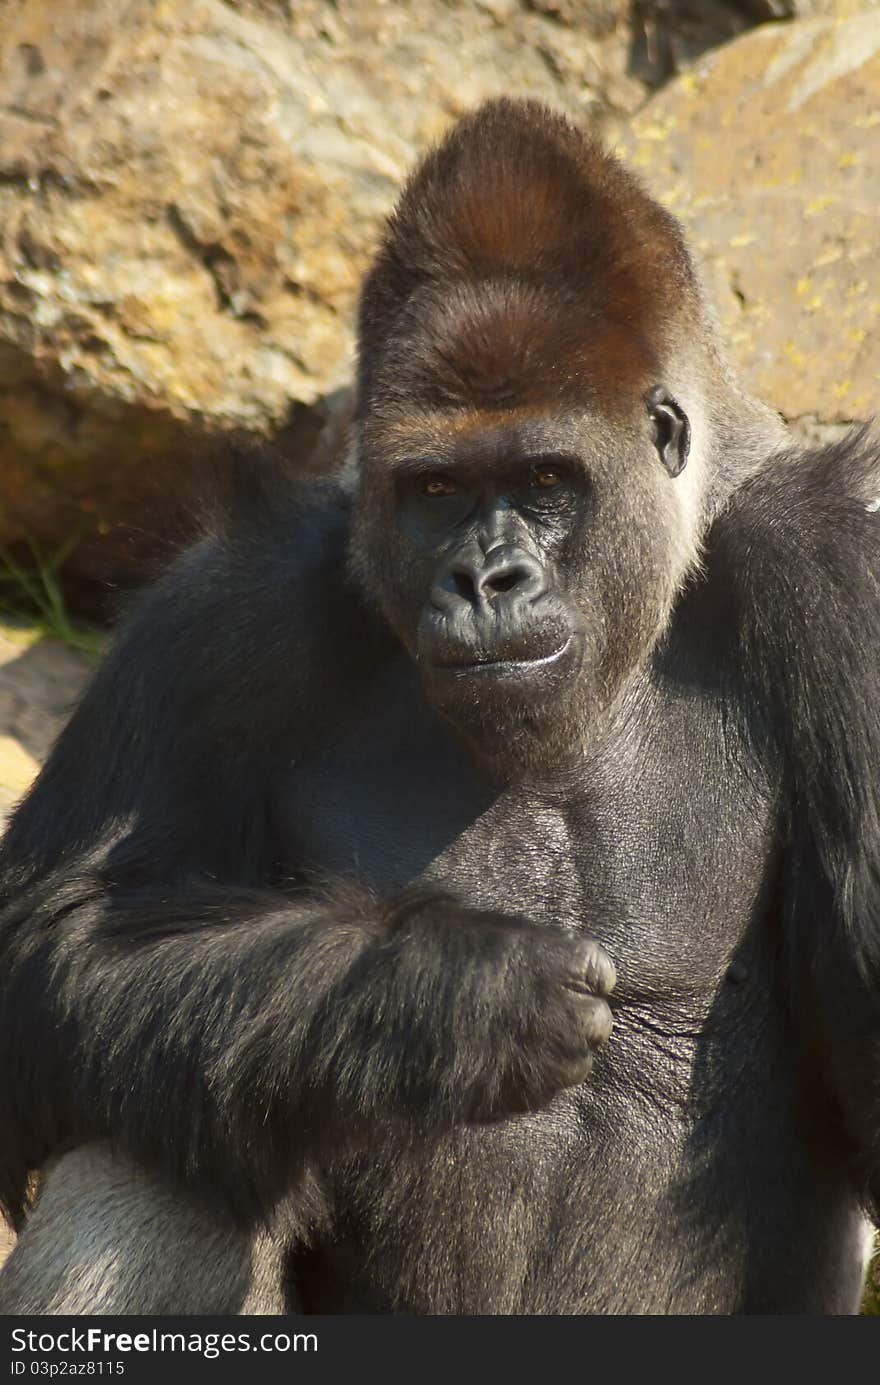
{"x":40,"y":680}
{"x":17,"y":766}
{"x":769,"y":151}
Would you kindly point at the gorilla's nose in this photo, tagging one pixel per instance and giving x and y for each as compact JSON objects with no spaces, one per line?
{"x":477,"y":579}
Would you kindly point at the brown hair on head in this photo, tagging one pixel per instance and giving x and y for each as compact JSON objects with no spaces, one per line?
{"x":503,"y":344}
{"x":522,"y":260}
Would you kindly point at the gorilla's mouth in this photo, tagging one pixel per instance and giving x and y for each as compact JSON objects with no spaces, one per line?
{"x":509,"y":670}
{"x":507,"y":666}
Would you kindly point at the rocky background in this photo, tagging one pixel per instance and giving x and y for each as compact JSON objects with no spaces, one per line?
{"x":190,"y":190}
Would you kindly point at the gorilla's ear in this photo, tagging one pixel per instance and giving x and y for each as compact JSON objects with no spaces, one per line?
{"x":672,"y":431}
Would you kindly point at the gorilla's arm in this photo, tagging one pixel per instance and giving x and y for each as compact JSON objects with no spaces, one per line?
{"x":158,"y":990}
{"x":220,"y":1035}
{"x":804,"y":541}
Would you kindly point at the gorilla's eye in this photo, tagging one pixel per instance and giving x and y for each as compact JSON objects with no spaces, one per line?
{"x":546,"y":477}
{"x":438,"y":485}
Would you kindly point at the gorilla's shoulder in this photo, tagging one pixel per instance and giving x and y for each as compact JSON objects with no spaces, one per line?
{"x":274,"y":554}
{"x":798,"y":552}
{"x":259,"y":611}
{"x":263,"y":527}
{"x":800,"y":539}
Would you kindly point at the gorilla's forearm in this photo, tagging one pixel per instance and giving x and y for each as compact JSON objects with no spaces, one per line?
{"x":221,"y":1036}
{"x":177,"y":1024}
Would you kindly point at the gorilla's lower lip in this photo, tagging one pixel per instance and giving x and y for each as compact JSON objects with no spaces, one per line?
{"x":507,"y":665}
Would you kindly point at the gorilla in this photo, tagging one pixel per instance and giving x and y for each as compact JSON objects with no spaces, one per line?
{"x":561,"y":706}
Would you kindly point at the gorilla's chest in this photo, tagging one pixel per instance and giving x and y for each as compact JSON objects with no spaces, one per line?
{"x":658,"y":845}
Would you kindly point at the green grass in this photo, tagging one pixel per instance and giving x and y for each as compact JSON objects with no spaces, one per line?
{"x":32,"y":590}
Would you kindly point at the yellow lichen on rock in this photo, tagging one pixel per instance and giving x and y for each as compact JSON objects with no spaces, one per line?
{"x":783,"y":164}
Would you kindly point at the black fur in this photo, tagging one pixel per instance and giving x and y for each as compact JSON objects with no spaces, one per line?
{"x":344,"y":688}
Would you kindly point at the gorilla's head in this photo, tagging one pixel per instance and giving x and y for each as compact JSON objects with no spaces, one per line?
{"x":532,"y":486}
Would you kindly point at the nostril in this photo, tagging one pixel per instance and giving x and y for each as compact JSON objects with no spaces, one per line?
{"x":463,"y":584}
{"x":504,"y":581}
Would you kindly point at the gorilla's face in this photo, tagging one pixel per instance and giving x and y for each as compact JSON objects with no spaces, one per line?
{"x":527,"y":564}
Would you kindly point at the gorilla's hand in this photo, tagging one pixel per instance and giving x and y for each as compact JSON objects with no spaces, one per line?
{"x":454,"y":1014}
